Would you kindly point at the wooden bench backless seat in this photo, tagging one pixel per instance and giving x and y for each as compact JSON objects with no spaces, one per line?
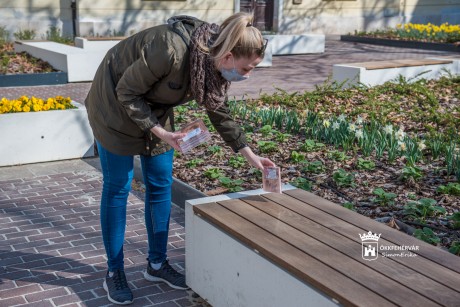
{"x":319,"y":242}
{"x":398,"y":63}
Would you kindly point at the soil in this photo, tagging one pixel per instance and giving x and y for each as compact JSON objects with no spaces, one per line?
{"x":20,"y":63}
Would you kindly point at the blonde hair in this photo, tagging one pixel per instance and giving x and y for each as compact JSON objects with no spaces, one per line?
{"x":238,"y":36}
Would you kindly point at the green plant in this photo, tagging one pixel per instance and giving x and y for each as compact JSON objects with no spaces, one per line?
{"x":383,"y":198}
{"x":422,"y":209}
{"x":4,"y":35}
{"x":54,"y":35}
{"x":236,"y":161}
{"x":181,"y":114}
{"x":311,"y":145}
{"x":255,"y":172}
{"x":455,"y":218}
{"x":411,"y":173}
{"x":380,"y":144}
{"x":230,"y":184}
{"x":455,"y":248}
{"x":214,"y":173}
{"x":266,"y":130}
{"x":315,"y":167}
{"x":297,"y":157}
{"x":349,"y":206}
{"x":365,"y":164}
{"x":302,"y":183}
{"x":343,"y":179}
{"x":216,"y":150}
{"x":194,"y":163}
{"x":25,"y":35}
{"x":281,"y":137}
{"x":338,"y":155}
{"x":436,"y":146}
{"x":267,"y":146}
{"x":452,"y":188}
{"x":427,"y":235}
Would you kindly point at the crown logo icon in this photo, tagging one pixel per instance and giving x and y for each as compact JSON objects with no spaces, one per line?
{"x":370,"y":236}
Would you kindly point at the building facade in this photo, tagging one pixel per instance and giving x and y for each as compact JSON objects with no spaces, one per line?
{"x":125,"y":17}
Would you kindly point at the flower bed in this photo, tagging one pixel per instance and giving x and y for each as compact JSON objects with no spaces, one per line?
{"x":389,"y":152}
{"x":21,"y":69}
{"x":444,"y":37}
{"x":44,"y":130}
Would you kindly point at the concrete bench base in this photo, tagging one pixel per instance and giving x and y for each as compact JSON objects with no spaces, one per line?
{"x":226,"y":273}
{"x":379,"y":72}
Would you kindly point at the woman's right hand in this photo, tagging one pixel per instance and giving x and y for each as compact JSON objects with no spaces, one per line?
{"x":171,"y":138}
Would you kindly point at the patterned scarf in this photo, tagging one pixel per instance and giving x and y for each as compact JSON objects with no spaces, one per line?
{"x":208,"y":87}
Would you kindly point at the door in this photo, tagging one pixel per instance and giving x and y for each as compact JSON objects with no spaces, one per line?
{"x":262,"y":10}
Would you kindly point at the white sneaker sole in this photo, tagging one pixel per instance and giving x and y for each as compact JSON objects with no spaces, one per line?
{"x":111,"y":299}
{"x":149,"y":277}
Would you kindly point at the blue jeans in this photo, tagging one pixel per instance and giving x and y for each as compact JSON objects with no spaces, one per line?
{"x":117,"y":174}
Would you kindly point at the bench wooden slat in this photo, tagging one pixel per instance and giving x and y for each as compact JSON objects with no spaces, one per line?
{"x":313,"y":227}
{"x":398,"y":63}
{"x":359,"y":272}
{"x":420,"y":264}
{"x":292,"y":259}
{"x":428,"y":251}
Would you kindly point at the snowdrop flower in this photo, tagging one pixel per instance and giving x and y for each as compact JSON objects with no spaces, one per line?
{"x":402,"y":146}
{"x":359,"y":134}
{"x":421,"y":145}
{"x":388,"y":129}
{"x":400,"y":134}
{"x":335,"y":125}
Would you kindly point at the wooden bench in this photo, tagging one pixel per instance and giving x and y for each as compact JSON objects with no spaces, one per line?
{"x":378,"y":72}
{"x":298,"y":249}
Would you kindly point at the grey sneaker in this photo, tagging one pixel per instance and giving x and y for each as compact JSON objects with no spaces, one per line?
{"x":118,"y":291}
{"x":166,"y":274}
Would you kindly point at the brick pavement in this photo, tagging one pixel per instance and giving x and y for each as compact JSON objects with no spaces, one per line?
{"x":51,"y":251}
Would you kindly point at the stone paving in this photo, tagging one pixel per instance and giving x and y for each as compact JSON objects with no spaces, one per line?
{"x":51,"y":251}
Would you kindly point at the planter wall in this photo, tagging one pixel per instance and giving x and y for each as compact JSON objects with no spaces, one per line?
{"x":79,"y":64}
{"x":400,"y":43}
{"x":45,"y":136}
{"x":51,"y":78}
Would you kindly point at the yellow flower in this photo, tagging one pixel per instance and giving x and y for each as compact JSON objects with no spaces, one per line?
{"x":26,"y":104}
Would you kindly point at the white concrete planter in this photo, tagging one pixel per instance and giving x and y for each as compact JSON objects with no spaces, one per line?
{"x":45,"y":136}
{"x":296,"y":44}
{"x":96,"y":43}
{"x":80,"y":64}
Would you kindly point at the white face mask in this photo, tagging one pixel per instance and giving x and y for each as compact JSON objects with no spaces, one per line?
{"x":232,"y":74}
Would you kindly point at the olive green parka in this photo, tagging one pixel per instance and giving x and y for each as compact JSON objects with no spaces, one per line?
{"x":137,"y":85}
